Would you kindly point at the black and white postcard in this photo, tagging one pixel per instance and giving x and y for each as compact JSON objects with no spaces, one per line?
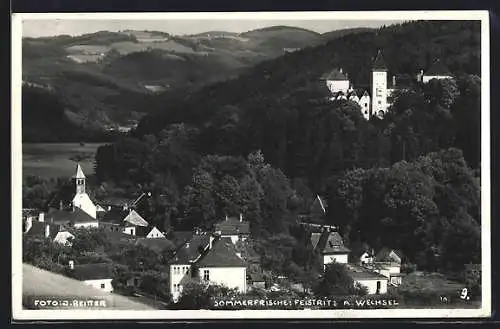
{"x":320,"y":165}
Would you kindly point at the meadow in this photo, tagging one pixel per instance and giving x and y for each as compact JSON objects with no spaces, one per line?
{"x":51,"y":160}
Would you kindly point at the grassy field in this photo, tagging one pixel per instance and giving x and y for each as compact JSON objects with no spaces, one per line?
{"x":51,"y":160}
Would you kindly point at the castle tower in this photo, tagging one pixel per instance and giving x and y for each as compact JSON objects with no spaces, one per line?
{"x":379,"y":86}
{"x":79,"y":180}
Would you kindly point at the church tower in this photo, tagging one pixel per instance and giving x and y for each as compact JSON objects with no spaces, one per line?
{"x":379,"y":86}
{"x":81,"y":199}
{"x":79,"y":180}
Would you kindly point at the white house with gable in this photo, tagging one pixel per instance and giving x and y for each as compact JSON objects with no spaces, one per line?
{"x":98,"y":275}
{"x":155,"y":233}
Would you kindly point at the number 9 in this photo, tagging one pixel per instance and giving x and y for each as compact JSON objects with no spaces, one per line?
{"x":463,"y":294}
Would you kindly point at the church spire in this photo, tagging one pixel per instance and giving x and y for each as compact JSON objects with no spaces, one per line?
{"x":79,"y":172}
{"x":379,"y":63}
{"x":79,"y":178}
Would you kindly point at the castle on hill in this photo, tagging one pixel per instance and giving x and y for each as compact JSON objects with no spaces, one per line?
{"x":377,"y":100}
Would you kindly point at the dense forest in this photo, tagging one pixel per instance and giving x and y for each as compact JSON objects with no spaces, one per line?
{"x":44,"y":119}
{"x":267,"y":143}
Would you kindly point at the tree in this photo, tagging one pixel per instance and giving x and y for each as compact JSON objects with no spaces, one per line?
{"x":337,"y":282}
{"x":198,"y":296}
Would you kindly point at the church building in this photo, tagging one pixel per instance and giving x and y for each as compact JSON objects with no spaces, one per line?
{"x":81,"y":199}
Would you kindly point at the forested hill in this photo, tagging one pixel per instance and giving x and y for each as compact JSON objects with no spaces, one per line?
{"x":407,"y":49}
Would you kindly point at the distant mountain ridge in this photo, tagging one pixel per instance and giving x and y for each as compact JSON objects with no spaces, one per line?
{"x":105,"y":78}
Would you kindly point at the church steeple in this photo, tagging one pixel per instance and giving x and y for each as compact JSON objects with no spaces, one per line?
{"x":379,"y":63}
{"x":79,"y":178}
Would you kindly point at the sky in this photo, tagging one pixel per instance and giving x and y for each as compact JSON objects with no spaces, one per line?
{"x":50,"y":27}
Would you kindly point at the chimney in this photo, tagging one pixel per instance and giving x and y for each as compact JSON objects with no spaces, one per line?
{"x":226,"y":217}
{"x":211,"y":242}
{"x":393,"y":80}
{"x":187,"y":245}
{"x":340,"y":70}
{"x":60,"y":205}
{"x":47,"y":230}
{"x":71,"y":264}
{"x":41,"y":217}
{"x":29,"y":224}
{"x":238,"y":254}
{"x":241,"y":217}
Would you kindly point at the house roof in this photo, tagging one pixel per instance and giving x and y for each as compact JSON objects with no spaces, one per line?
{"x":79,"y":172}
{"x":154,"y":228}
{"x":64,"y":217}
{"x":190,"y":250}
{"x":384,"y":255}
{"x":360,"y":273}
{"x":115,"y":201}
{"x":233,"y":226}
{"x":222,"y":254}
{"x":93,"y":271}
{"x":38,"y":229}
{"x":379,"y":63}
{"x":135,"y":219}
{"x":335,"y":75}
{"x":331,"y":243}
{"x":315,"y":237}
{"x":115,"y":216}
{"x":438,"y":68}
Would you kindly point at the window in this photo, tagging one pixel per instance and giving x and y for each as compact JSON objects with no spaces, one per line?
{"x":366,"y":104}
{"x":206,"y":275}
{"x":103,"y":285}
{"x":379,"y":102}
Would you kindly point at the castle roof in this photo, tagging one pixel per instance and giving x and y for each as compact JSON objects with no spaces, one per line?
{"x":438,"y":68}
{"x":335,"y":74}
{"x":79,"y":172}
{"x":379,"y":63}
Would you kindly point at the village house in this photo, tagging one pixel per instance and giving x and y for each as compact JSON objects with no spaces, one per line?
{"x":98,"y":275}
{"x":388,"y":263}
{"x":223,"y":266}
{"x":181,"y":264}
{"x":374,"y":282}
{"x":125,"y":221}
{"x":331,"y":247}
{"x":39,"y":228}
{"x":207,"y":259}
{"x":76,"y":218}
{"x":155,"y":233}
{"x":233,"y":228}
